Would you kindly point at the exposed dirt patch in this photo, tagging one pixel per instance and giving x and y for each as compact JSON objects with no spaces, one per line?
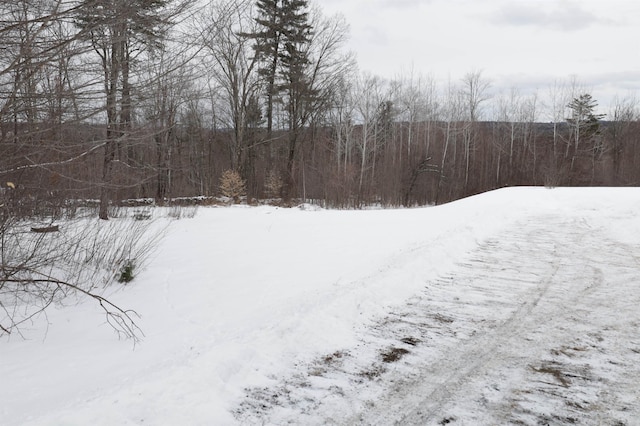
{"x":555,"y":372}
{"x":373,"y":373}
{"x":393,"y":354}
{"x":411,"y":341}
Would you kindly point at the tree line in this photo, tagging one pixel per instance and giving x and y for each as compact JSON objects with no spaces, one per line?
{"x":119,"y":99}
{"x":107,"y":101}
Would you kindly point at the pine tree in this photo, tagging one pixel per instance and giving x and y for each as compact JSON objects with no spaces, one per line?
{"x":583,"y":117}
{"x":282,"y":46}
{"x":267,"y":47}
{"x":584,"y":122}
{"x":294,"y":56}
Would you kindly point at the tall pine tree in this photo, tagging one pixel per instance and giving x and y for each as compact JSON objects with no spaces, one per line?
{"x":268,"y":47}
{"x":584,"y":122}
{"x":282,"y":46}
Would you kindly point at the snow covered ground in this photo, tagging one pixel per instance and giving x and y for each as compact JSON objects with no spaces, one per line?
{"x":515,"y":306}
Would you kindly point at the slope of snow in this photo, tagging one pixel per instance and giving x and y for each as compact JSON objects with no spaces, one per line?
{"x":238,"y":302}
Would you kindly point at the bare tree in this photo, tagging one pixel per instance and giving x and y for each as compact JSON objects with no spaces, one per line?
{"x":624,"y":112}
{"x":475,"y":90}
{"x":42,"y":98}
{"x":370,"y":96}
{"x":559,"y":95}
{"x":452,"y":113}
{"x":167,"y":91}
{"x":119,"y":31}
{"x":327,"y":73}
{"x":225,"y":27}
{"x":417,"y":109}
{"x":35,"y":38}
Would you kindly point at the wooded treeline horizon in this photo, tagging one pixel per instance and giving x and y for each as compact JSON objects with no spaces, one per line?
{"x":128,"y":99}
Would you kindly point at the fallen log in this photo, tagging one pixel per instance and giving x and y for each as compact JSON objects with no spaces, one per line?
{"x":52,"y":228}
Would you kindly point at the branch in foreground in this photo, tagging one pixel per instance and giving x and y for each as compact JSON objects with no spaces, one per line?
{"x":121,"y":320}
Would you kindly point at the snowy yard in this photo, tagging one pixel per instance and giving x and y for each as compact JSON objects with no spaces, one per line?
{"x":519,"y":306}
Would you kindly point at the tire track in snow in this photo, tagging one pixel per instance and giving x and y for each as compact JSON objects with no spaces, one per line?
{"x":470,"y":357}
{"x":506,"y":336}
{"x":572,"y":279}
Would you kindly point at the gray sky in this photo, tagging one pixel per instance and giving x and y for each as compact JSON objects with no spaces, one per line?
{"x":528,"y":44}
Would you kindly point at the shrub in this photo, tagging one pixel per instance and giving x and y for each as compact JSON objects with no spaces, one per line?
{"x":126,"y":272}
{"x":39,"y":269}
{"x":273,"y":184}
{"x":232,"y":185}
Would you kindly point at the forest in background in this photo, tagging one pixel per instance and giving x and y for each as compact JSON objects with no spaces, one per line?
{"x":111,"y":100}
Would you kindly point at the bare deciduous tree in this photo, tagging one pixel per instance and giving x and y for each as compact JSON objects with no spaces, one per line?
{"x":624,"y":113}
{"x":226,"y":46}
{"x":119,"y":31}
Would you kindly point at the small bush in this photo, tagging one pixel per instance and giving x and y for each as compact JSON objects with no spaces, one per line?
{"x":126,"y":272}
{"x":273,"y":184}
{"x":178,"y":212}
{"x":232,"y":185}
{"x":82,"y":258}
{"x":142,"y":214}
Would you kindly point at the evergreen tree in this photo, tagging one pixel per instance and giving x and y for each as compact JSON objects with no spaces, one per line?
{"x":294,"y":56}
{"x":282,"y":47}
{"x":268,"y":46}
{"x":298,"y":90}
{"x":583,"y":122}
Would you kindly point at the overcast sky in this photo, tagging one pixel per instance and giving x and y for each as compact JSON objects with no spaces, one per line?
{"x":528,"y":44}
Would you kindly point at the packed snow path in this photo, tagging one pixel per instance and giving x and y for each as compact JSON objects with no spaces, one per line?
{"x":539,"y":325}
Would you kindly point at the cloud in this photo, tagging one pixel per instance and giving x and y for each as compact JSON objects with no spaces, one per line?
{"x":560,"y":15}
{"x":606,"y":87}
{"x":374,"y":35}
{"x":622,"y":80}
{"x":380,"y":5}
{"x":401,"y":4}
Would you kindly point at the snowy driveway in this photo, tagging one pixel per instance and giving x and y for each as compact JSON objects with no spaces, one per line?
{"x":539,"y":325}
{"x":518,"y":306}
